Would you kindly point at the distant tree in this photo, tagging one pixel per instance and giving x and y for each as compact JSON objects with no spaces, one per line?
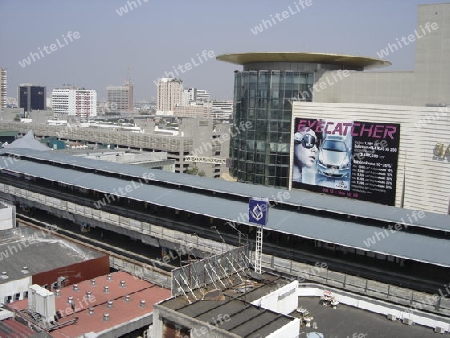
{"x":196,"y":172}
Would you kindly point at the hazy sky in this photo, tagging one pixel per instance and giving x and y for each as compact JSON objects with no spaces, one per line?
{"x":161,"y":34}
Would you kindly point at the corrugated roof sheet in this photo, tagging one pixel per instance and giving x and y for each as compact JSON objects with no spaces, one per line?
{"x":361,"y":209}
{"x":346,"y":233}
{"x":244,"y":319}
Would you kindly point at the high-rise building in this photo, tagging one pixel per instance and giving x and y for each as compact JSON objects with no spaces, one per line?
{"x":75,"y":102}
{"x":264,"y":92}
{"x":3,"y":88}
{"x":432,"y":66}
{"x":169,"y":95}
{"x":269,"y":84}
{"x":120,"y":98}
{"x":32,"y":97}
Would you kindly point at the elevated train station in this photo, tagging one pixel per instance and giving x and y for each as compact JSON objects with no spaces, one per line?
{"x":362,"y":243}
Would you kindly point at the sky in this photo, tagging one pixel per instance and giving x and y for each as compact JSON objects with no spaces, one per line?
{"x":157,"y":35}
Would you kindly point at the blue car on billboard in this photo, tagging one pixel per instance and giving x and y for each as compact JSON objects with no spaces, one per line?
{"x":334,"y":157}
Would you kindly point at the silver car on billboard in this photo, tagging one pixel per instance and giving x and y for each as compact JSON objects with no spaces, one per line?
{"x":334,"y":157}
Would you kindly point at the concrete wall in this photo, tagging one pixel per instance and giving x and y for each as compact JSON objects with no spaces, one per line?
{"x":432,"y":68}
{"x":74,"y":273}
{"x":290,"y":330}
{"x":419,"y":171}
{"x":283,"y":300}
{"x":393,"y":88}
{"x":14,"y":287}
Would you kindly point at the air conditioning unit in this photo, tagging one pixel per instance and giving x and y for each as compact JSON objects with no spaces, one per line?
{"x":407,"y":321}
{"x":391,"y":316}
{"x":438,"y":329}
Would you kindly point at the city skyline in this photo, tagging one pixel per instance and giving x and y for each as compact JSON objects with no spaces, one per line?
{"x":92,"y":45}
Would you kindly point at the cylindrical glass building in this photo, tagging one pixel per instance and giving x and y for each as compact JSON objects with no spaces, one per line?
{"x":263,"y":95}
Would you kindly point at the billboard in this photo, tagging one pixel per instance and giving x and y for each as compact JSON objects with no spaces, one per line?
{"x":258,"y":211}
{"x":346,"y":158}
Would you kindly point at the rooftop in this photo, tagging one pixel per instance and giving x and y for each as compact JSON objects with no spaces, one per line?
{"x":245,"y":320}
{"x":234,"y":301}
{"x":347,"y":233}
{"x":306,"y":199}
{"x":38,"y":251}
{"x":13,"y":329}
{"x":89,"y":311}
{"x":323,"y":58}
{"x":346,"y":320}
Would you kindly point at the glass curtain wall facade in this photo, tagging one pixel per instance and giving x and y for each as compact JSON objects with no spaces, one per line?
{"x":260,"y":154}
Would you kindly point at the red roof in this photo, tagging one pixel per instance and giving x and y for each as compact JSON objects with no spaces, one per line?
{"x":13,"y":329}
{"x":122,"y":311}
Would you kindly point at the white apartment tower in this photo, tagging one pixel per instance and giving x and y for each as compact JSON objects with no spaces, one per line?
{"x":75,"y":102}
{"x":120,"y":98}
{"x":3,"y":88}
{"x":169,"y":95}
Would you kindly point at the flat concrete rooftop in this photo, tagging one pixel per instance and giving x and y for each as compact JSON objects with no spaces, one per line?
{"x":345,"y":321}
{"x":38,"y":251}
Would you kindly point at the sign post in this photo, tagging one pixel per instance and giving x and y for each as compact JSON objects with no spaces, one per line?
{"x":258,"y":213}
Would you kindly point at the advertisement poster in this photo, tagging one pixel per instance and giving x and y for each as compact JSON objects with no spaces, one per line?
{"x":346,"y":158}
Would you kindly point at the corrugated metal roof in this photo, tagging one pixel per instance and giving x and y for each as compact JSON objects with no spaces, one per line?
{"x":346,"y":233}
{"x":305,"y":199}
{"x":243,"y":320}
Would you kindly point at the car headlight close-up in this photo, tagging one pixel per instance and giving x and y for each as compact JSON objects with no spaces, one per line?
{"x":345,"y":164}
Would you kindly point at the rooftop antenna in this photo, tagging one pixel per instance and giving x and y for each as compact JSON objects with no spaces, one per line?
{"x":128,"y":75}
